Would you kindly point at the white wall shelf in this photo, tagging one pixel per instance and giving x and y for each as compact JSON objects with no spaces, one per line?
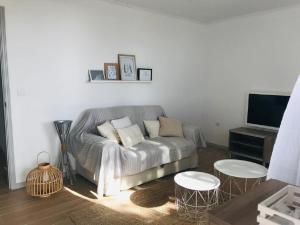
{"x":118,"y":81}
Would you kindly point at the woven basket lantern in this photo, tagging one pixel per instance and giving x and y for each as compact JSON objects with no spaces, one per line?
{"x":44,"y":180}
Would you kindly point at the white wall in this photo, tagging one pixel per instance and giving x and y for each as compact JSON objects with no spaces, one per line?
{"x":201,"y":74}
{"x":52,"y":44}
{"x":257,"y":52}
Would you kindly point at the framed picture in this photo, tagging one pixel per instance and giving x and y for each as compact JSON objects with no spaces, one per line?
{"x":112,"y":71}
{"x":144,"y":74}
{"x":96,"y":75}
{"x":127,"y":67}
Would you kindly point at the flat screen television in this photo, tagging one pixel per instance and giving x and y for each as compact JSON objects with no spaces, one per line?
{"x":266,"y":110}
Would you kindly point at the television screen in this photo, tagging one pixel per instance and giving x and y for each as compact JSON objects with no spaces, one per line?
{"x":266,"y":109}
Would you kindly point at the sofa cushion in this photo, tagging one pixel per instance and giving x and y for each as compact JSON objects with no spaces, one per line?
{"x":157,"y":151}
{"x":152,"y":127}
{"x":170,"y":127}
{"x":130,"y":136}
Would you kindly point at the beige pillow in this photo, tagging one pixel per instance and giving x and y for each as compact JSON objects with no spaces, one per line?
{"x":170,"y":127}
{"x":108,"y":131}
{"x":130,"y":136}
{"x":152,"y":127}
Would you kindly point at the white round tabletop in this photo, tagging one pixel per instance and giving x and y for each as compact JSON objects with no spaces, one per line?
{"x":240,"y":168}
{"x":197,"y":181}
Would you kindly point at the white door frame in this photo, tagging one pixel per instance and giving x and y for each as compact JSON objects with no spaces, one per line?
{"x":7,"y":106}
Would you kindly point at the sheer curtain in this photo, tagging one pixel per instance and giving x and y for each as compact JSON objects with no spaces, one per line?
{"x":285,"y":161}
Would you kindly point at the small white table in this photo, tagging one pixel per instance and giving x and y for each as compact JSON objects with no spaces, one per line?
{"x":238,"y":176}
{"x":195,"y":193}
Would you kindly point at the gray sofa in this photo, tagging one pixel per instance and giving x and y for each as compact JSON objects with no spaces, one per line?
{"x":101,"y":160}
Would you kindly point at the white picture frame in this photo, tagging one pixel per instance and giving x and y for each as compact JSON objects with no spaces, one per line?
{"x":127,"y":65}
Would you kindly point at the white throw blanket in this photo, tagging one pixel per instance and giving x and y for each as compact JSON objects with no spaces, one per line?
{"x":285,"y":161}
{"x":110,"y":171}
{"x":117,"y":161}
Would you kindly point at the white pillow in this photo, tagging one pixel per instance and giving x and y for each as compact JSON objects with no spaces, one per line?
{"x":108,"y":131}
{"x":130,"y":136}
{"x":152,"y":127}
{"x":121,"y":123}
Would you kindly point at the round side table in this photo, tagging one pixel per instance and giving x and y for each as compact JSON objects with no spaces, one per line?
{"x":195,"y":194}
{"x":238,"y":176}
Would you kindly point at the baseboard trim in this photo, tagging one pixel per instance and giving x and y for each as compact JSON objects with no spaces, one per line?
{"x":213,"y":145}
{"x":16,"y":186}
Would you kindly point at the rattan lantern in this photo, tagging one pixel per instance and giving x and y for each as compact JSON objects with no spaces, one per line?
{"x":44,"y":180}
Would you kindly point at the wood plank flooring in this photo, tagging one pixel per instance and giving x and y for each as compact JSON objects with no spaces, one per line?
{"x":150,"y":202}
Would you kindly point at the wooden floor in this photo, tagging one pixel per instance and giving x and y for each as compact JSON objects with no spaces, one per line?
{"x":151,"y":203}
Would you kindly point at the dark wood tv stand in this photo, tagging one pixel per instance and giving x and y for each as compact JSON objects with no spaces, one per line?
{"x":251,"y":143}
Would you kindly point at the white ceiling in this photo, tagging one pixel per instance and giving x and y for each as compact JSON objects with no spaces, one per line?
{"x":207,"y":11}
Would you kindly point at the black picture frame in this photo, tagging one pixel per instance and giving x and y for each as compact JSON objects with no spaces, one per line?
{"x":140,"y":75}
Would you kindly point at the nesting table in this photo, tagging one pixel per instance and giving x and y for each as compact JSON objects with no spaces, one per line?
{"x":238,"y":176}
{"x":196,"y":193}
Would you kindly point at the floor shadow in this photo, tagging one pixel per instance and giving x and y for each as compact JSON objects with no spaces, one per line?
{"x":157,"y":193}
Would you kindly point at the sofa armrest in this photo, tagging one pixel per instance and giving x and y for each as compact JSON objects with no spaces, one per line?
{"x":87,"y":149}
{"x":193,"y":133}
{"x":87,"y":142}
{"x":94,"y":139}
{"x":95,"y":142}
